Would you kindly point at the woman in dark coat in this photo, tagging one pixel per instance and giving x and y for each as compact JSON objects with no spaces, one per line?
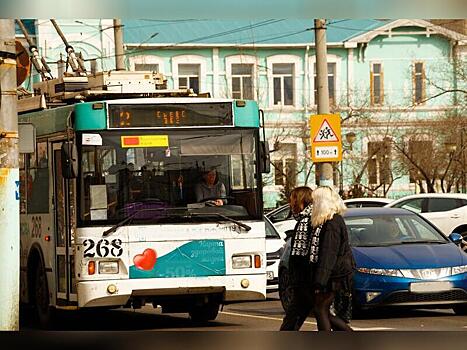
{"x":331,"y":257}
{"x":299,"y":287}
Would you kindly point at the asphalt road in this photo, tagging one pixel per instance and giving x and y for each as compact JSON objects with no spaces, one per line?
{"x":259,"y":316}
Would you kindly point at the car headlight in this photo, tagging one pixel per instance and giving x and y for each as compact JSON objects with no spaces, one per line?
{"x":241,"y":262}
{"x":382,"y":272}
{"x":459,"y":269}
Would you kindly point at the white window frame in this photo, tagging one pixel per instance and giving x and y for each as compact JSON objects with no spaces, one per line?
{"x":190,"y":59}
{"x":241,"y":59}
{"x":337,"y":89}
{"x":297,"y":73}
{"x":382,"y":89}
{"x":283,"y":157}
{"x":414,"y":84}
{"x":147,"y":59}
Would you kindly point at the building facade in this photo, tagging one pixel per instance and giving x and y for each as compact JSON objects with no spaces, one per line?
{"x":398,"y":86}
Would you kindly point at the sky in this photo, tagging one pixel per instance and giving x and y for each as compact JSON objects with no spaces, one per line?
{"x":228,"y":9}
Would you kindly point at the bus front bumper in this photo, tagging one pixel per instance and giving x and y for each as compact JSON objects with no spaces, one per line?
{"x":114,"y":293}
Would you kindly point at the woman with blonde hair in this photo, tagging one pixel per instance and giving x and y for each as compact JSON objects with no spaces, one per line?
{"x":299,"y":287}
{"x":330,"y":255}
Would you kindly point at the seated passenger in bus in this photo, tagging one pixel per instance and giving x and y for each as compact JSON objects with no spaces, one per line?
{"x":210,"y":189}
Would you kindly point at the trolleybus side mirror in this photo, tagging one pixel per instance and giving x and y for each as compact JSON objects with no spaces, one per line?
{"x":69,"y":155}
{"x":264,"y":162}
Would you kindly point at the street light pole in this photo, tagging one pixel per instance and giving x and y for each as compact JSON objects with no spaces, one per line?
{"x":325,"y":170}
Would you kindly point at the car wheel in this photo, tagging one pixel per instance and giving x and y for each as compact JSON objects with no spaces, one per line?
{"x":284,"y":291}
{"x":204,"y":313}
{"x":44,"y":312}
{"x":460,"y":310}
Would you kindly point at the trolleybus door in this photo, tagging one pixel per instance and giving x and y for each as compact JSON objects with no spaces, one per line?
{"x":64,"y":202}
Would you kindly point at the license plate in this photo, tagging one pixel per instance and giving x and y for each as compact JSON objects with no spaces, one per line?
{"x":426,"y":287}
{"x":270,"y":275}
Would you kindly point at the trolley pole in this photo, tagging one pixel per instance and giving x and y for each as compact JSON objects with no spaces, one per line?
{"x":119,"y":52}
{"x":9,"y":181}
{"x":325,"y":170}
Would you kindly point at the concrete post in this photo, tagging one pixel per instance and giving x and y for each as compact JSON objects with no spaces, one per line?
{"x":9,"y":181}
{"x":325,"y":170}
{"x":119,"y":52}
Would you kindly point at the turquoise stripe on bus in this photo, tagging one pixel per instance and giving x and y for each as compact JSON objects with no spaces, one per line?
{"x":247,"y":116}
{"x":193,"y":259}
{"x":87,"y":118}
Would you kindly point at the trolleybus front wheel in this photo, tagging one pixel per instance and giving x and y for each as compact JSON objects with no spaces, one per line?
{"x":203,"y":313}
{"x":43,"y":310}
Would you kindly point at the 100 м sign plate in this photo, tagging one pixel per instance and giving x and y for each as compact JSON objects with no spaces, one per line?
{"x":324,"y":152}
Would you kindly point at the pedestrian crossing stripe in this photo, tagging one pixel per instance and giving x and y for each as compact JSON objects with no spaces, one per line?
{"x":326,"y":133}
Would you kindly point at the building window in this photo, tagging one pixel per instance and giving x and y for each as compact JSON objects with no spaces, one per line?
{"x":331,"y":83}
{"x":188,"y":76}
{"x":147,"y":67}
{"x":379,"y":164}
{"x":285,"y":166}
{"x":376,"y":84}
{"x":420,"y":152}
{"x":419,"y":82}
{"x":242,"y":81}
{"x":283,"y":83}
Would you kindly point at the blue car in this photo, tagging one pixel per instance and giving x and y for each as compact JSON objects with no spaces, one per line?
{"x":402,"y":260}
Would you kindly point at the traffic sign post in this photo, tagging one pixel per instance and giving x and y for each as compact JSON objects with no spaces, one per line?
{"x":326,"y":141}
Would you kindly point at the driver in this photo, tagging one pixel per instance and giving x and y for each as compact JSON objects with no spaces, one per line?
{"x":210,"y":188}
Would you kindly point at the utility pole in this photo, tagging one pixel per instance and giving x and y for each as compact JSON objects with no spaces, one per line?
{"x":119,"y":52}
{"x":325,"y":170}
{"x":9,"y":180}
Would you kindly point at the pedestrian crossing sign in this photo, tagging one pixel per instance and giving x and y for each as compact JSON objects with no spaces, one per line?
{"x":325,"y":136}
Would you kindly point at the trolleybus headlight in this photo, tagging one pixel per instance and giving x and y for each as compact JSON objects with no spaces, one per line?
{"x":244,"y":283}
{"x":108,"y":267}
{"x":241,"y":262}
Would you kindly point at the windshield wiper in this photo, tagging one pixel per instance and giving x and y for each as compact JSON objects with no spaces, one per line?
{"x":241,"y":224}
{"x":423,"y":242}
{"x":129,"y":218}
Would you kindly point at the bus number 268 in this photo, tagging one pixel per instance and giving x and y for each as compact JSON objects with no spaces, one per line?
{"x":102,"y":248}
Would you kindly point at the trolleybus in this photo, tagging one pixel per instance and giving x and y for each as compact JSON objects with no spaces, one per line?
{"x":109,"y":214}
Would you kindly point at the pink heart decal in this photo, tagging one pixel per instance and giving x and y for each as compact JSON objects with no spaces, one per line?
{"x":145,"y":261}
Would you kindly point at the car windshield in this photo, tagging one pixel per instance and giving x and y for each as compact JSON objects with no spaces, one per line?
{"x":381,"y":230}
{"x":271,"y":232}
{"x":168,"y":176}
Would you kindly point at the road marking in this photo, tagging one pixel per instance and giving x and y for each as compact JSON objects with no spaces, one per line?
{"x":371,"y":328}
{"x":306,"y":322}
{"x":261,"y":317}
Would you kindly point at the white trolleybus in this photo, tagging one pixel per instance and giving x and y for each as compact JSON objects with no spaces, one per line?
{"x":110,"y":215}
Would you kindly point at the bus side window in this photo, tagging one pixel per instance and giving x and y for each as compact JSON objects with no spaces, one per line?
{"x":38,"y":174}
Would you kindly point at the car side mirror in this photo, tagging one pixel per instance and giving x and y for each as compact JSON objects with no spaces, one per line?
{"x":289,"y":234}
{"x":455,"y":238}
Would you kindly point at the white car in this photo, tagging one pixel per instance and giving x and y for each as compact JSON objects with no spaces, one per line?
{"x":447,"y":211}
{"x":274,"y":247}
{"x":367,"y":202}
{"x":282,"y":219}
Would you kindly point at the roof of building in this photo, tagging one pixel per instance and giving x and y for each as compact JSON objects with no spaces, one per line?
{"x":260,"y":32}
